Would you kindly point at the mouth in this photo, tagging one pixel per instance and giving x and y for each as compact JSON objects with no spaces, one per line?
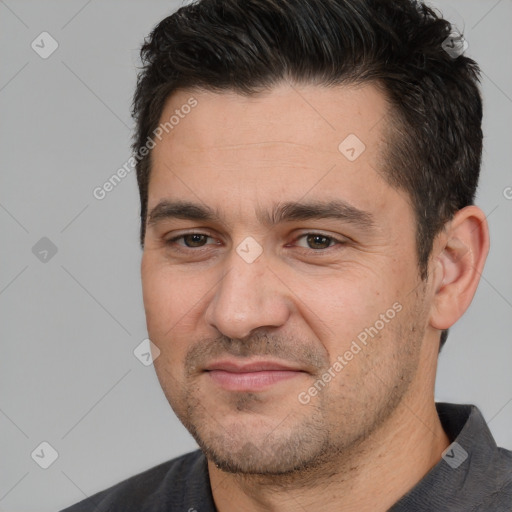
{"x":255,"y":376}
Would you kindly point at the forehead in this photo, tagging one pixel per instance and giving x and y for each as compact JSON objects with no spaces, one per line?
{"x":289,"y":141}
{"x":315,"y":117}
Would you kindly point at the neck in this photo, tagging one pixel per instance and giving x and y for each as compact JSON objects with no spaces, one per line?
{"x":373,"y":475}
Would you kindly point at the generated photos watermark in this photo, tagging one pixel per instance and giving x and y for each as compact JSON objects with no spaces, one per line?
{"x":102,"y":191}
{"x":355,"y":348}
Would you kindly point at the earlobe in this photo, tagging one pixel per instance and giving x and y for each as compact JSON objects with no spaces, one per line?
{"x":458,"y":266}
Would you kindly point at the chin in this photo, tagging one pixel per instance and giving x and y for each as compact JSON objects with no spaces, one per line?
{"x":257,"y":448}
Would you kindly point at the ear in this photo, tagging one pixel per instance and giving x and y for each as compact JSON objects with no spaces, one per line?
{"x":460,"y":254}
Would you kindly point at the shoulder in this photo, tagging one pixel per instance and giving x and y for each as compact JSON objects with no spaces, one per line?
{"x":181,"y":483}
{"x":484,"y":478}
{"x":499,"y":483}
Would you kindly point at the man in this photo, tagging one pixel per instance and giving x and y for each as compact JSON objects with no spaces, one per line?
{"x":307,"y":170}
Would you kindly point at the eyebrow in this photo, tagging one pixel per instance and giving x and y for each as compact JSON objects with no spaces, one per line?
{"x":280,"y":213}
{"x":181,"y":210}
{"x":311,"y":210}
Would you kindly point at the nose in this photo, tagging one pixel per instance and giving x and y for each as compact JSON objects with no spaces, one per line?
{"x":248,"y":297}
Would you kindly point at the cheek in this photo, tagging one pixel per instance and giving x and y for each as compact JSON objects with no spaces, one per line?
{"x":167,"y":299}
{"x":339,"y":307}
{"x":163,"y":311}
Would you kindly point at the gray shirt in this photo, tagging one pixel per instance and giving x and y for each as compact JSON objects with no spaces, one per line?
{"x":474,"y":475}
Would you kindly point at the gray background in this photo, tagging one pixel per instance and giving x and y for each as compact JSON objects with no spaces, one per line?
{"x":68,"y":374}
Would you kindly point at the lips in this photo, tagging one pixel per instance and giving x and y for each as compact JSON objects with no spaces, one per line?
{"x":255,"y":366}
{"x":254,"y":376}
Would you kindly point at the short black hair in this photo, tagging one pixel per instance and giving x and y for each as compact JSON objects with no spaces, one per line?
{"x":434,"y":136}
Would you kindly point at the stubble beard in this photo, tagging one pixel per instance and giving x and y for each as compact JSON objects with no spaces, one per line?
{"x":307,"y":442}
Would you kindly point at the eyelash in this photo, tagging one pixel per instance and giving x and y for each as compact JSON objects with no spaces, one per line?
{"x":183,"y":248}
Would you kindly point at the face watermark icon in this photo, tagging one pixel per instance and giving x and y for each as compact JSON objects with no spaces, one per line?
{"x":455,"y":455}
{"x":44,"y":250}
{"x":455,"y":44}
{"x":44,"y":455}
{"x":44,"y":45}
{"x":507,"y":193}
{"x":249,"y":250}
{"x":146,"y":352}
{"x":351,"y":147}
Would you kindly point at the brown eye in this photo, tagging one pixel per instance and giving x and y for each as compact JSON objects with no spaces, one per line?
{"x":316,"y":241}
{"x":194,"y":240}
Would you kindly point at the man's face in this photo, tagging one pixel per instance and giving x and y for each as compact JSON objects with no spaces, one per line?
{"x":286,"y":335}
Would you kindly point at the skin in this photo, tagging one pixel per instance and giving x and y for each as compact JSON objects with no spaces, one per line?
{"x":372,"y":432}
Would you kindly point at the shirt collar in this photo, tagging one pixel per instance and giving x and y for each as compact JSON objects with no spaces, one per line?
{"x":467,"y":470}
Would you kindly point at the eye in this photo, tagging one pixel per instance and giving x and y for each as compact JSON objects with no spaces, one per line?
{"x":317,"y":241}
{"x":190,"y":240}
